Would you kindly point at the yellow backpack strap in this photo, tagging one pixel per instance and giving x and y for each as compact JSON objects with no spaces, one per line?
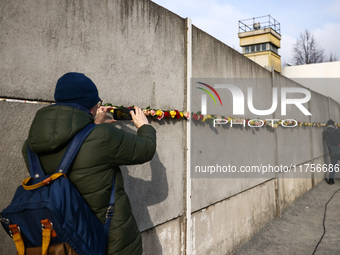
{"x":43,"y":183}
{"x":47,"y":230}
{"x":17,"y":238}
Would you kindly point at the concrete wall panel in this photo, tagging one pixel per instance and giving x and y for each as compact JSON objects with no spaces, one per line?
{"x":241,"y":147}
{"x":334,"y":110}
{"x":320,"y":113}
{"x":15,"y":120}
{"x":294,"y":144}
{"x":213,"y":59}
{"x":135,"y":51}
{"x":118,"y":44}
{"x":291,"y":189}
{"x":156,"y":188}
{"x":224,"y":226}
{"x":166,"y":239}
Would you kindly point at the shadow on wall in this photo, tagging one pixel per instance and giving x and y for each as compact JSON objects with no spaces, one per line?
{"x":144,"y":193}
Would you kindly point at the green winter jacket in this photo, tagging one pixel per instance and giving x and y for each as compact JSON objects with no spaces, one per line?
{"x":104,"y":150}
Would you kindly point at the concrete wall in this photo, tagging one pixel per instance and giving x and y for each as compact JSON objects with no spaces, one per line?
{"x":220,"y":204}
{"x":319,"y":70}
{"x":321,"y":77}
{"x":135,"y":52}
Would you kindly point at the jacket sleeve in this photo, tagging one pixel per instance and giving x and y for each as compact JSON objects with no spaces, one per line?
{"x":133,"y":149}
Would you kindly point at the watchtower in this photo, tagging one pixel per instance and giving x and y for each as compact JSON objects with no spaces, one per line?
{"x":260,"y":41}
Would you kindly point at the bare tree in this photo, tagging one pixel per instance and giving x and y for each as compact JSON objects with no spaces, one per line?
{"x":306,"y":50}
{"x":332,"y":57}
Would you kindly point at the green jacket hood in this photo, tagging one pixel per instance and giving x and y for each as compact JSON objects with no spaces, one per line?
{"x":54,"y":126}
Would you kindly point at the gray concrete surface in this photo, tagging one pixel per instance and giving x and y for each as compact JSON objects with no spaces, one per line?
{"x":167,"y":238}
{"x":300,"y":228}
{"x":223,"y":226}
{"x":334,"y":110}
{"x":135,"y":51}
{"x":14,"y":122}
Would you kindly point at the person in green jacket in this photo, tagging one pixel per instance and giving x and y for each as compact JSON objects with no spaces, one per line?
{"x":97,"y":163}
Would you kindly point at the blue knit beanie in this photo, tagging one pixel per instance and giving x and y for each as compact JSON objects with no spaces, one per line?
{"x":76,"y":88}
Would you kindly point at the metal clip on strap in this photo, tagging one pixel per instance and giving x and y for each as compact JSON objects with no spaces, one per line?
{"x":109,"y":212}
{"x":47,"y":228}
{"x":15,"y":233}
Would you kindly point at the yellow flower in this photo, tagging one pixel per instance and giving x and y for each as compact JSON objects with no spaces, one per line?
{"x":204,"y":119}
{"x":159,"y":113}
{"x":181,"y":113}
{"x":173,"y":114}
{"x":208,"y":116}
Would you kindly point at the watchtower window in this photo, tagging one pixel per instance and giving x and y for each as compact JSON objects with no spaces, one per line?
{"x":260,"y":47}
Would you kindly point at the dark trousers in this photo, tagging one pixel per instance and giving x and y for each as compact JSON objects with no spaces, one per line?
{"x":334,"y":163}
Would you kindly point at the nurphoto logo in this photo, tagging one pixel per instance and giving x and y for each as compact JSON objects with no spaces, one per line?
{"x":238,"y":99}
{"x":286,"y":96}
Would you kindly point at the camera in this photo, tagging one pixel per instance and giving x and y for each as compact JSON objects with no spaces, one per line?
{"x":122,"y":113}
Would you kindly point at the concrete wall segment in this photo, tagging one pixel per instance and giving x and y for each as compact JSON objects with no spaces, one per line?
{"x":213,"y":59}
{"x":320,"y":113}
{"x":118,"y":44}
{"x":223,"y":227}
{"x":15,"y":120}
{"x":166,"y":239}
{"x":156,"y":189}
{"x":334,"y":110}
{"x":135,"y":52}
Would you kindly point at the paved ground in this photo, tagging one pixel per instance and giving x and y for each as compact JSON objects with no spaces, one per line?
{"x":300,"y":228}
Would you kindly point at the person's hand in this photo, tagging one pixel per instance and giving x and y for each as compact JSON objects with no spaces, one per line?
{"x":101,"y":115}
{"x":139,"y":118}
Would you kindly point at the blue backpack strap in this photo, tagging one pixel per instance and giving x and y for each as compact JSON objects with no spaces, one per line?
{"x":73,"y":148}
{"x":34,"y":165}
{"x":109,"y":211}
{"x":69,"y":156}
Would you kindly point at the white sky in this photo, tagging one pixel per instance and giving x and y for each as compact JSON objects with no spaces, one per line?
{"x":219,"y":18}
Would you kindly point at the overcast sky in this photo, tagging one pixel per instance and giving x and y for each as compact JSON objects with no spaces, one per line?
{"x":219,"y":18}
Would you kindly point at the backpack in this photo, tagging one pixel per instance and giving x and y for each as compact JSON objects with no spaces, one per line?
{"x":48,"y":211}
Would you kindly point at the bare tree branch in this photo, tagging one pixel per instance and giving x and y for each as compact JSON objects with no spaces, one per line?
{"x":332,"y":57}
{"x":306,"y":50}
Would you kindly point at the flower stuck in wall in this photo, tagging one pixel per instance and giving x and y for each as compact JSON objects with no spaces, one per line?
{"x":215,"y":120}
